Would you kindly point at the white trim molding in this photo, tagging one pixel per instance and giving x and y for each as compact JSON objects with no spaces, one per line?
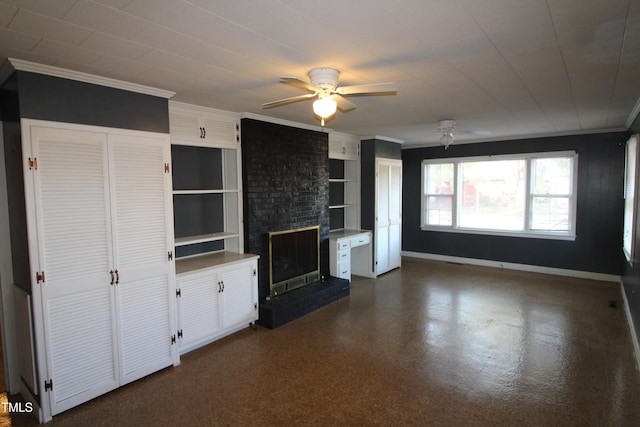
{"x":382,"y":138}
{"x":49,"y":70}
{"x":632,"y":329}
{"x":635,"y":112}
{"x":284,"y":122}
{"x":514,"y":266}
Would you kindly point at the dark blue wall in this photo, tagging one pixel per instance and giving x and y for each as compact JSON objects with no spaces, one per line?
{"x":62,"y":100}
{"x":370,"y":150}
{"x":598,"y":244}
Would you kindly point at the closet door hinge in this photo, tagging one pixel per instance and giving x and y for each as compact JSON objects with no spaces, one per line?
{"x":179,"y":333}
{"x":173,"y":339}
{"x":33,"y":163}
{"x":48,"y":385}
{"x":39,"y":277}
{"x":178,"y":293}
{"x":237,"y":133}
{"x":166,"y":168}
{"x":170,"y":255}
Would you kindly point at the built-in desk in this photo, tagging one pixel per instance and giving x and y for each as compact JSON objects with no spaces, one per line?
{"x":350,"y":252}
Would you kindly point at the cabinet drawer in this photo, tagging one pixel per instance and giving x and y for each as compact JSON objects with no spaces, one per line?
{"x":360,"y":240}
{"x":344,"y":255}
{"x":344,"y":244}
{"x":344,"y":270}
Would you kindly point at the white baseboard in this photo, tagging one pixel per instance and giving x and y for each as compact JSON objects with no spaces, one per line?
{"x":632,"y":329}
{"x":512,"y":266}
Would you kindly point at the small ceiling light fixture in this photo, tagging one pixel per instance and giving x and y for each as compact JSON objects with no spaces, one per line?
{"x":324,"y":107}
{"x":446,"y":127}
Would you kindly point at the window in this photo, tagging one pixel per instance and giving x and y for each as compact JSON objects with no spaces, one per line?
{"x":630,"y":178}
{"x":530,"y":194}
{"x":439,"y":194}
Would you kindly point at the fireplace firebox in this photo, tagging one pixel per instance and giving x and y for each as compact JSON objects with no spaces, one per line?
{"x":294,"y":258}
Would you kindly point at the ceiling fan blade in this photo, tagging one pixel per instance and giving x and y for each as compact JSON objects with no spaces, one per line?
{"x":372,"y":88}
{"x":343,"y":103}
{"x":284,"y":101}
{"x":294,"y":81}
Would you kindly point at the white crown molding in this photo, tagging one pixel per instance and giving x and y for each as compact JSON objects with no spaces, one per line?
{"x":635,"y":112}
{"x":382,"y":138}
{"x":49,"y":70}
{"x":285,"y":122}
{"x":410,"y":145}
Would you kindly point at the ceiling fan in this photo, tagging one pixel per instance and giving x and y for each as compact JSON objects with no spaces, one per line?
{"x":446,"y":129}
{"x":324,"y":87}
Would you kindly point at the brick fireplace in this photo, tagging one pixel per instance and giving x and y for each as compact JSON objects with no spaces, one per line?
{"x":286,"y":186}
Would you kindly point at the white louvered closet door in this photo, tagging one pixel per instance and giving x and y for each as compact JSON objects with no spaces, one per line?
{"x":71,"y":198}
{"x":142,"y":221}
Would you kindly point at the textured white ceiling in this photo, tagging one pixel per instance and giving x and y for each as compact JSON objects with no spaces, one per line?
{"x":501,"y":68}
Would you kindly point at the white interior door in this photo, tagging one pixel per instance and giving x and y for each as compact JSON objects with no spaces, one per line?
{"x":395,"y":214}
{"x":382,"y":218}
{"x":144,"y":273}
{"x":388,"y":214}
{"x":71,"y":197}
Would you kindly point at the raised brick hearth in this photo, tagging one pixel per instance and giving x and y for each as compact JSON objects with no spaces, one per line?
{"x":291,"y":305}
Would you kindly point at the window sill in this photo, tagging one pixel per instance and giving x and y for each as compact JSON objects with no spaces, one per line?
{"x":530,"y":235}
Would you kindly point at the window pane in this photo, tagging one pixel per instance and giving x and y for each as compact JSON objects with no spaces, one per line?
{"x":439,"y":210}
{"x":550,"y":213}
{"x":551,"y":176}
{"x":629,"y":198}
{"x":439,"y":179}
{"x":493,"y":194}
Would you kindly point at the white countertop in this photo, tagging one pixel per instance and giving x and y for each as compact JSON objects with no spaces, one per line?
{"x":185,"y":265}
{"x":339,"y":234}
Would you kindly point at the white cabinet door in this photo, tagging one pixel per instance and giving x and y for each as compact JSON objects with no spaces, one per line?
{"x":185,"y":126}
{"x":345,"y":148}
{"x":72,"y":216}
{"x":240,"y":302}
{"x":219,"y":130}
{"x":141,"y":211}
{"x":216,"y":301}
{"x":202,"y":125}
{"x":388,"y":214}
{"x":199,"y":313}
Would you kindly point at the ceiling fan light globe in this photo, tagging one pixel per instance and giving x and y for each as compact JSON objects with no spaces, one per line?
{"x":324,"y":107}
